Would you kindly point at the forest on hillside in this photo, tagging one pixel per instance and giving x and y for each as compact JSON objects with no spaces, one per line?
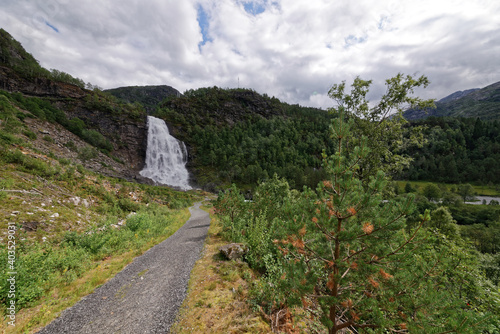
{"x":457,"y":150}
{"x":244,"y":137}
{"x":309,"y":191}
{"x":353,"y":254}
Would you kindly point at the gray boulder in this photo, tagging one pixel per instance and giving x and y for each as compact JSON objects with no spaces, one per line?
{"x":234,"y":251}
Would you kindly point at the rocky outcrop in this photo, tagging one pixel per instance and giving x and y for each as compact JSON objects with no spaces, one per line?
{"x":128,"y":136}
{"x":234,"y":251}
{"x":123,"y":126}
{"x":42,"y":87}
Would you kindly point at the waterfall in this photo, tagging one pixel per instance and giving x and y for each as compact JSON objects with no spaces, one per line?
{"x":166,"y":156}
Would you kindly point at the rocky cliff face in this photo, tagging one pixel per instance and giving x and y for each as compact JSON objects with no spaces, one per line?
{"x":128,"y":135}
{"x":124,"y":127}
{"x":42,"y":87}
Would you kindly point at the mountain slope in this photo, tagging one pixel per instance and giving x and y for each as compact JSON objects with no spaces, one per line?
{"x":457,"y":95}
{"x":115,"y":128}
{"x":483,"y":103}
{"x":148,"y":96}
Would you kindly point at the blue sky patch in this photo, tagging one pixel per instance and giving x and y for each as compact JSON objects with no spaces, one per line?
{"x":204,"y":25}
{"x":353,"y":40}
{"x":51,"y":26}
{"x":254,"y":8}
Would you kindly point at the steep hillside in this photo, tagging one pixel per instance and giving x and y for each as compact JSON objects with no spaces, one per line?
{"x":483,"y":103}
{"x":219,"y":107}
{"x":148,"y":96}
{"x":67,"y":155}
{"x":114,"y":128}
{"x":239,"y":135}
{"x":457,"y":95}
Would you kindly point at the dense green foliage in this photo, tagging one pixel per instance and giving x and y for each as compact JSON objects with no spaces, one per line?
{"x":458,"y":150}
{"x":243,"y":137}
{"x":253,"y":150}
{"x":217,"y":106}
{"x":382,"y":122}
{"x":434,"y":284}
{"x":478,"y":224}
{"x":148,"y":96}
{"x":349,"y":257}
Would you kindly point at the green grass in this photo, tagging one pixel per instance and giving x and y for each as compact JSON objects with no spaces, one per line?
{"x":74,"y":228}
{"x":481,"y":190}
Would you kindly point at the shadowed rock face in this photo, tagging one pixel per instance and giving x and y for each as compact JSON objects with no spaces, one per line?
{"x":127,"y":135}
{"x":41,"y":87}
{"x":126,"y":130}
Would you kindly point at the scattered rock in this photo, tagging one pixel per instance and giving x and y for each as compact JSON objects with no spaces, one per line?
{"x":234,"y":251}
{"x":76,"y":200}
{"x":30,"y":226}
{"x":15,"y":212}
{"x":55,"y":215}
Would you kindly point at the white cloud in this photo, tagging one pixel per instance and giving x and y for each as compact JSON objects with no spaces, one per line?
{"x":291,"y":49}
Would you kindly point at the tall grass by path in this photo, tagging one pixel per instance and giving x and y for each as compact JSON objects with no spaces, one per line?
{"x":52,"y":278}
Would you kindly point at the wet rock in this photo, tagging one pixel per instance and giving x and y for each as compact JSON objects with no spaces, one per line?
{"x":234,"y":251}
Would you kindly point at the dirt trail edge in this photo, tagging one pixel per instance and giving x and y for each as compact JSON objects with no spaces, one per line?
{"x":146,"y":295}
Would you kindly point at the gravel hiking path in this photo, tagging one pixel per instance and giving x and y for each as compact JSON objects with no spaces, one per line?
{"x":146,"y":295}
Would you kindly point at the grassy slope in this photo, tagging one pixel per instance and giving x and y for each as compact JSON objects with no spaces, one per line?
{"x":479,"y":190}
{"x":74,"y":227}
{"x":58,"y":298}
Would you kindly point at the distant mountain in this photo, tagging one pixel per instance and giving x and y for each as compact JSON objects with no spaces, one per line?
{"x":458,"y":95}
{"x":483,"y":103}
{"x":148,"y":96}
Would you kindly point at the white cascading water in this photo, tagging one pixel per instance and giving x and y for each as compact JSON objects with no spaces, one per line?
{"x":166,"y":156}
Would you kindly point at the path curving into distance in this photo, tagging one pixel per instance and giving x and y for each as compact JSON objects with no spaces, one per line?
{"x":146,"y":295}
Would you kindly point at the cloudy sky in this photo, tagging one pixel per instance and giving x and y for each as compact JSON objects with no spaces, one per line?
{"x":292,"y":49}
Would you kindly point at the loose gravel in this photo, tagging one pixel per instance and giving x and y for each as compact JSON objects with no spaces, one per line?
{"x":145,"y":296}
